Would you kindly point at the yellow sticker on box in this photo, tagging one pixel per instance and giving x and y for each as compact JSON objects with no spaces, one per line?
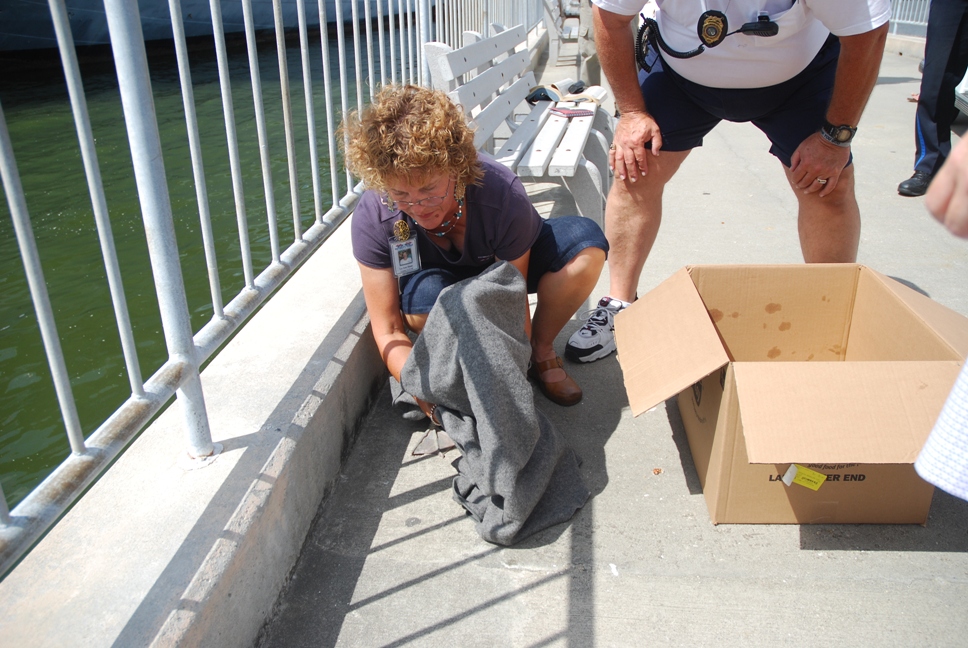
{"x":797,"y":474}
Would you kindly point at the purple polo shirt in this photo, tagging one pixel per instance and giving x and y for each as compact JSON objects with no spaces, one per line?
{"x":501,"y":224}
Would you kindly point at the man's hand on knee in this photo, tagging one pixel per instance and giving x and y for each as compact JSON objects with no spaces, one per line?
{"x":628,"y":155}
{"x":816,"y":165}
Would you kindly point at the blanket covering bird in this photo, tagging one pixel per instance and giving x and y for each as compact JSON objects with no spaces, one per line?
{"x":516,"y":475}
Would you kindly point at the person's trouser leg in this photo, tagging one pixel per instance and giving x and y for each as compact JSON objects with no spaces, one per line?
{"x":590,"y":70}
{"x":945,"y":63}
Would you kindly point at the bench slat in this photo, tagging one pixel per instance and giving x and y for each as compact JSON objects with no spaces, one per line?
{"x":514,"y":149}
{"x":535,"y":161}
{"x":473,"y":56}
{"x":479,"y":90}
{"x":501,"y":108}
{"x":571,"y":148}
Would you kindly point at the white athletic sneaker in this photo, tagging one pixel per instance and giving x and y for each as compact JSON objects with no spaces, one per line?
{"x":596,"y":339}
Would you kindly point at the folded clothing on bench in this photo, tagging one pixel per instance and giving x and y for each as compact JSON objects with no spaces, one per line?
{"x":572,"y":112}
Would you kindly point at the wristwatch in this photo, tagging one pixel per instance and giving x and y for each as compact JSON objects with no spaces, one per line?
{"x":837,"y":135}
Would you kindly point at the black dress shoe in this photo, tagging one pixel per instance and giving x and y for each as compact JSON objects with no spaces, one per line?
{"x":916,"y":185}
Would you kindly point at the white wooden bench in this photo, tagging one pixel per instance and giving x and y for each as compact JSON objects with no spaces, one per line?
{"x":554,"y":20}
{"x":490,"y":79}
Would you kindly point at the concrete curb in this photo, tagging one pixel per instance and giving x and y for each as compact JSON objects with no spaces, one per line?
{"x":239,"y":582}
{"x":905,"y":45}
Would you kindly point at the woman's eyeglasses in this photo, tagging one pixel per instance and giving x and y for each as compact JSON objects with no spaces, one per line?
{"x":431,"y":201}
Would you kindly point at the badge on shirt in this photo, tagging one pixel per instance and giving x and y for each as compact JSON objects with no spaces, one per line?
{"x":403,"y":250}
{"x":401,"y":230}
{"x":712,"y":28}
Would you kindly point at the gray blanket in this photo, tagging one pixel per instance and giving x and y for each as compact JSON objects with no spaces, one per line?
{"x":516,"y":475}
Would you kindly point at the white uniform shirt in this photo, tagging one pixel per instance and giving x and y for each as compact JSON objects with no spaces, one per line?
{"x":744,"y":61}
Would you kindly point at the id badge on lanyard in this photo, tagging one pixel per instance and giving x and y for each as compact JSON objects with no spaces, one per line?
{"x":403,"y":250}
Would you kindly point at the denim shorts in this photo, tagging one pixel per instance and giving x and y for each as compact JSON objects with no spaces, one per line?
{"x":559,"y":240}
{"x":787,"y":112}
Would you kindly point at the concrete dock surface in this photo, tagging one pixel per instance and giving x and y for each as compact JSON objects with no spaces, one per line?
{"x":393,"y":560}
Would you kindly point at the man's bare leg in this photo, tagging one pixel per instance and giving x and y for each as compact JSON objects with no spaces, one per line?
{"x":633,"y":213}
{"x":830,"y":226}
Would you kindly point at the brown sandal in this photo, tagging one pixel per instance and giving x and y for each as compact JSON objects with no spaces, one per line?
{"x":563,"y":392}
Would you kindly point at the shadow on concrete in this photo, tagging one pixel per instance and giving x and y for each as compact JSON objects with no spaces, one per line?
{"x":913,"y":286}
{"x":946,"y":531}
{"x":587,"y":427}
{"x":342,"y":534}
{"x":889,"y":80}
{"x":682,"y":446}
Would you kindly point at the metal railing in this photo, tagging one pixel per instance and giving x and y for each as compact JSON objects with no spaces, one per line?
{"x":909,"y":16}
{"x":382,"y":39}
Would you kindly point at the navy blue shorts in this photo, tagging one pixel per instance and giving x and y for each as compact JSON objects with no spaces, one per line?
{"x":559,"y":240}
{"x":788,"y":112}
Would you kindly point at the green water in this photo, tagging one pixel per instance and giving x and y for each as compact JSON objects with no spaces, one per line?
{"x":36,"y":105}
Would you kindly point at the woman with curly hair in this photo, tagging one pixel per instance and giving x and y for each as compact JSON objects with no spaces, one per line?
{"x":436,"y":213}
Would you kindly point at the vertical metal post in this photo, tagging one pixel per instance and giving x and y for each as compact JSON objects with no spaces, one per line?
{"x":343,"y":89}
{"x":395,"y":9}
{"x":424,"y":12}
{"x":260,"y":127}
{"x":4,"y":509}
{"x":357,"y":54}
{"x":232,"y":139}
{"x":380,"y":42}
{"x":127,"y":44}
{"x":287,"y":117}
{"x":38,"y":288}
{"x":328,"y":92}
{"x":195,"y":147}
{"x":368,"y":27}
{"x":85,"y":138}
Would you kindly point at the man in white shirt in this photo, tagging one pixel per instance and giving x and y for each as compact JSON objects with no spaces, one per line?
{"x":805,"y":87}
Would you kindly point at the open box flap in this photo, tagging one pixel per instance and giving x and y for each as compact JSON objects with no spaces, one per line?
{"x":666,"y":342}
{"x":952,"y":327}
{"x":840,"y":412}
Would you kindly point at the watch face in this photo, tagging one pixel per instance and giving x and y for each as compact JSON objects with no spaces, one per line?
{"x":843,"y":134}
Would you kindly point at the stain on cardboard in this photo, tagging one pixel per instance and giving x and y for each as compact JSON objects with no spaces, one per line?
{"x":772,"y":308}
{"x":836,"y":349}
{"x":785,"y":326}
{"x":734,"y":315}
{"x":716,"y":314}
{"x":810,"y":357}
{"x":773,"y":353}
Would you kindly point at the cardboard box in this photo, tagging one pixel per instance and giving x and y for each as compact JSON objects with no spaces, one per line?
{"x":835,"y":369}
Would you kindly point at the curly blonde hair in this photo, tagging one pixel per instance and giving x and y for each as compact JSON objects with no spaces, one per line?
{"x":409,"y":132}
